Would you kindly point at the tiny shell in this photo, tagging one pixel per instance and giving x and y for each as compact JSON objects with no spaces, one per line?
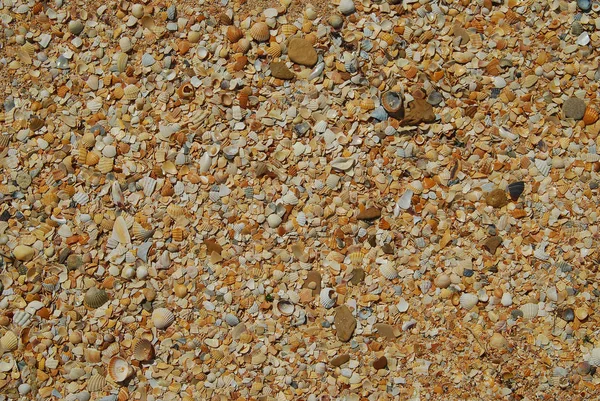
{"x":105,"y":165}
{"x":92,"y":158}
{"x":95,"y":298}
{"x":492,"y":243}
{"x":162,"y":318}
{"x":242,"y":46}
{"x":498,"y":341}
{"x":530,"y":310}
{"x":143,"y":350}
{"x":122,"y":59}
{"x":468,"y":301}
{"x":388,"y":271}
{"x":327,"y":298}
{"x":260,"y":32}
{"x":288,"y":29}
{"x":231,"y":319}
{"x":131,"y":92}
{"x":393,"y":104}
{"x":274,"y":50}
{"x":119,"y":369}
{"x":595,"y":357}
{"x":290,"y":198}
{"x":9,"y":342}
{"x":140,"y":233}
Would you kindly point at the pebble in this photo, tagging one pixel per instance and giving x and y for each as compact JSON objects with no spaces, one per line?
{"x":280,"y":70}
{"x":574,"y":108}
{"x":346,"y":7}
{"x":339,"y":360}
{"x":344,"y":323}
{"x":301,"y":51}
{"x":380,"y":363}
{"x":371,"y":213}
{"x":23,"y":252}
{"x":274,"y":220}
{"x":75,"y":27}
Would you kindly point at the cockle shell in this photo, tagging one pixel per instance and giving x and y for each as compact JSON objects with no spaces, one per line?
{"x":274,"y":50}
{"x":590,"y":116}
{"x":91,"y":158}
{"x":143,"y":350}
{"x":9,"y":342}
{"x":530,"y":310}
{"x":140,"y":233}
{"x":286,"y":308}
{"x":162,"y":318}
{"x":105,"y":165}
{"x":498,"y":341}
{"x":234,"y":33}
{"x":388,"y":271}
{"x":393,"y":104}
{"x":288,"y":29}
{"x":595,"y":357}
{"x":468,"y":301}
{"x":119,"y":369}
{"x":260,"y":32}
{"x":328,"y":297}
{"x":241,"y":46}
{"x":131,"y":92}
{"x":96,"y":383}
{"x":95,"y":298}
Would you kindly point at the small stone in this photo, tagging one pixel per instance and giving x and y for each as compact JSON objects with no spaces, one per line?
{"x":346,"y":7}
{"x":419,"y":112}
{"x":301,"y":51}
{"x":213,"y":246}
{"x":388,"y":249}
{"x":435,"y":98}
{"x":345,"y":323}
{"x":280,"y":70}
{"x":358,"y":276}
{"x":371,"y":213}
{"x":584,"y":5}
{"x":75,"y":27}
{"x":340,"y":360}
{"x":380,"y":363}
{"x":567,"y":315}
{"x":23,"y":252}
{"x":137,"y":10}
{"x":574,"y":108}
{"x":385,"y":330}
{"x":496,"y":198}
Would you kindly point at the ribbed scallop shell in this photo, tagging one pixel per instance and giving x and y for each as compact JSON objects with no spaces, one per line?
{"x":468,"y":301}
{"x":96,"y":383}
{"x":148,"y":185}
{"x":9,"y":342}
{"x":121,"y":63}
{"x":542,"y":166}
{"x":119,"y":369}
{"x":274,"y":50}
{"x":388,"y":271}
{"x":288,"y":29}
{"x":94,"y":105}
{"x":595,"y":357}
{"x":367,"y":104}
{"x":332,"y":181}
{"x":140,"y":233}
{"x":143,"y":350}
{"x":177,"y":234}
{"x":105,"y":165}
{"x":530,"y":310}
{"x":234,"y":33}
{"x":327,"y":296}
{"x":91,"y":158}
{"x":590,"y":116}
{"x":260,"y":32}
{"x":131,"y":92}
{"x":95,"y":297}
{"x":290,"y":198}
{"x":387,"y":38}
{"x":162,"y":318}
{"x":88,"y":140}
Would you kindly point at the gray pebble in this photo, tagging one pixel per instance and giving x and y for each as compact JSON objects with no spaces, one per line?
{"x":574,"y":108}
{"x":435,"y":98}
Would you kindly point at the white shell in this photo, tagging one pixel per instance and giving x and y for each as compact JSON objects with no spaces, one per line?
{"x":81,"y":198}
{"x":321,"y":126}
{"x":290,"y":198}
{"x":333,"y":181}
{"x":530,"y":310}
{"x":120,"y":231}
{"x":94,"y":105}
{"x":205,"y":162}
{"x":285,"y":308}
{"x":162,"y":318}
{"x":148,"y":185}
{"x":301,"y":219}
{"x":119,"y":369}
{"x":468,"y":301}
{"x":595,"y":357}
{"x":231,"y":319}
{"x":542,"y":166}
{"x":21,"y":318}
{"x":9,"y":342}
{"x":402,"y":305}
{"x":327,"y":297}
{"x":342,"y":163}
{"x":540,"y":251}
{"x":388,"y":270}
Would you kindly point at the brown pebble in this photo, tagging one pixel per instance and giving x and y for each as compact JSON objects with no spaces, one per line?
{"x":340,"y":360}
{"x":385,"y":330}
{"x":496,"y":198}
{"x":380,"y":363}
{"x":358,"y":276}
{"x":344,"y":323}
{"x":371,"y":213}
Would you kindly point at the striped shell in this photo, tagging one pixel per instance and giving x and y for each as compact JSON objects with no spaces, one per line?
{"x":95,"y":298}
{"x":530,"y":310}
{"x":140,"y":233}
{"x":387,"y":38}
{"x":177,"y":234}
{"x":288,"y":29}
{"x":590,"y":116}
{"x":88,"y":140}
{"x":242,"y":46}
{"x":274,"y":50}
{"x":119,"y":369}
{"x":234,"y":33}
{"x":105,"y":165}
{"x":131,"y":92}
{"x":162,"y":318}
{"x":595,"y":357}
{"x":388,"y":271}
{"x":143,"y":350}
{"x":468,"y":301}
{"x":91,"y":158}
{"x":327,"y":298}
{"x":9,"y":342}
{"x":96,"y":383}
{"x":260,"y":32}
{"x":122,"y":59}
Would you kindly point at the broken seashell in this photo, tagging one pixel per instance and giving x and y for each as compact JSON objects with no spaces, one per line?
{"x":328,"y":298}
{"x":492,"y":243}
{"x":286,"y":308}
{"x":119,"y":369}
{"x":393,"y":104}
{"x":530,"y":310}
{"x":234,"y":33}
{"x":9,"y":342}
{"x":388,"y":270}
{"x":96,"y":383}
{"x":515,"y":189}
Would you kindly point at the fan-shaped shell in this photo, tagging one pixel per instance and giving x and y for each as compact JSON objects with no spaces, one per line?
{"x":274,"y":50}
{"x":162,"y":318}
{"x":105,"y":165}
{"x":148,"y":185}
{"x":260,"y":32}
{"x":96,"y":383}
{"x":140,"y":233}
{"x":290,"y":198}
{"x":131,"y":92}
{"x":388,"y":271}
{"x":9,"y":341}
{"x":88,"y":140}
{"x":595,"y":357}
{"x":234,"y":33}
{"x":498,"y":341}
{"x":590,"y":116}
{"x":177,"y":234}
{"x":119,"y":369}
{"x":328,"y":298}
{"x":95,"y":298}
{"x":122,"y":59}
{"x":91,"y":158}
{"x":387,"y":38}
{"x":515,"y":189}
{"x":468,"y":301}
{"x":530,"y":310}
{"x":241,"y":46}
{"x":92,"y":355}
{"x":143,"y":350}
{"x":542,"y":166}
{"x":288,"y":29}
{"x":286,"y":308}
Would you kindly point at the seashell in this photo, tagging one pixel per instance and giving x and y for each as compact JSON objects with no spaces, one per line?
{"x":498,"y":341}
{"x":387,"y":38}
{"x":81,"y":198}
{"x":95,"y":298}
{"x":595,"y":357}
{"x":148,"y":186}
{"x":105,"y":165}
{"x":94,"y":105}
{"x":543,"y":167}
{"x":125,"y":44}
{"x":162,"y":318}
{"x":119,"y":369}
{"x":321,"y":126}
{"x":177,"y":234}
{"x":468,"y":301}
{"x":91,"y":158}
{"x":120,"y":231}
{"x":92,"y":355}
{"x":172,"y":12}
{"x":515,"y":189}
{"x":231,"y":319}
{"x":367,"y":104}
{"x":260,"y":32}
{"x":590,"y":116}
{"x":274,"y":50}
{"x":388,"y":270}
{"x":290,"y":198}
{"x":234,"y":33}
{"x":242,"y":46}
{"x":328,"y":298}
{"x":121,"y":63}
{"x":140,"y":233}
{"x":288,"y":29}
{"x":143,"y":350}
{"x":88,"y":140}
{"x":131,"y":92}
{"x":286,"y":308}
{"x":186,"y":91}
{"x":332,"y":181}
{"x":393,"y":104}
{"x":9,"y":342}
{"x":530,"y":310}
{"x":96,"y":383}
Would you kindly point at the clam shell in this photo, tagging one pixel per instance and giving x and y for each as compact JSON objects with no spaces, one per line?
{"x":260,"y":32}
{"x":242,"y":46}
{"x":95,"y":298}
{"x":105,"y":165}
{"x":162,"y":318}
{"x":290,"y":198}
{"x":143,"y":350}
{"x":131,"y":92}
{"x":543,"y":167}
{"x":120,"y":231}
{"x":530,"y":310}
{"x":234,"y":33}
{"x":88,"y":140}
{"x":288,"y":29}
{"x":498,"y":341}
{"x":92,"y":355}
{"x":286,"y":308}
{"x":515,"y":189}
{"x":393,"y":104}
{"x":231,"y":319}
{"x":122,"y":59}
{"x":274,"y":50}
{"x":468,"y":301}
{"x":148,"y":185}
{"x":91,"y":158}
{"x":590,"y":116}
{"x":96,"y":383}
{"x":119,"y":369}
{"x":388,"y":271}
{"x":595,"y":357}
{"x":9,"y":342}
{"x":328,"y":298}
{"x":140,"y":233}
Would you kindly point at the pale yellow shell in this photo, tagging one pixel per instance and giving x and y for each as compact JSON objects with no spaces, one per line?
{"x":122,"y":62}
{"x":367,"y":104}
{"x":175,"y":211}
{"x":9,"y":341}
{"x":234,"y":33}
{"x":29,"y":48}
{"x":105,"y":165}
{"x":92,"y":158}
{"x":96,"y":383}
{"x":260,"y":32}
{"x":289,"y":30}
{"x":177,"y":234}
{"x":131,"y":92}
{"x":88,"y":140}
{"x":162,"y":318}
{"x":241,"y":46}
{"x":140,"y":233}
{"x":387,"y":38}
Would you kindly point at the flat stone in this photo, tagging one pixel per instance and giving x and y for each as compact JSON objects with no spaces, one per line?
{"x":301,"y":51}
{"x":344,"y":322}
{"x":313,"y":282}
{"x":496,"y":198}
{"x":280,"y":70}
{"x":340,"y":360}
{"x":574,"y":108}
{"x":371,"y":213}
{"x":23,"y":252}
{"x":419,"y":112}
{"x":386,"y":330}
{"x":380,"y":363}
{"x":358,"y":276}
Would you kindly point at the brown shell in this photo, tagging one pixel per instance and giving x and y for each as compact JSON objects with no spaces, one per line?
{"x":590,"y":116}
{"x":186,"y":91}
{"x":274,"y":50}
{"x":177,"y":234}
{"x":241,"y":46}
{"x":260,"y":32}
{"x":234,"y":33}
{"x":92,"y":158}
{"x":143,"y":350}
{"x":387,"y":38}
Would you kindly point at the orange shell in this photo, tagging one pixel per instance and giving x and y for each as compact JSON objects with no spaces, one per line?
{"x":590,"y":116}
{"x":260,"y":32}
{"x":387,"y":38}
{"x":234,"y":33}
{"x":186,"y":91}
